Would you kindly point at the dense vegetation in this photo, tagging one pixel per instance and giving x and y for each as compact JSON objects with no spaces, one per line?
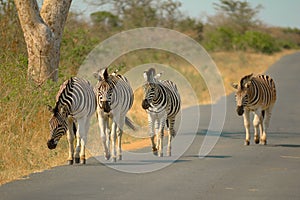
{"x":23,"y":113}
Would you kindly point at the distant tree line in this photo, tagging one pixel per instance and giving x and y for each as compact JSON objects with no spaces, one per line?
{"x":234,"y":27}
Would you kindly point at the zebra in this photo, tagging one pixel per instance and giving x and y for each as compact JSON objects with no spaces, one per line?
{"x":75,"y":104}
{"x":114,"y":99}
{"x":256,"y":94}
{"x":162,"y":103}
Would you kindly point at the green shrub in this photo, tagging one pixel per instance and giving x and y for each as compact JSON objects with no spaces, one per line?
{"x":261,"y":42}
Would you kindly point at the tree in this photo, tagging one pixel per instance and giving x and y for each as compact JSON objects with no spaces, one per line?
{"x":43,"y":32}
{"x":142,"y":13}
{"x":240,"y":13}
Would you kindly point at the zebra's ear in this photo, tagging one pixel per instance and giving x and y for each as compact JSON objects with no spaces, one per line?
{"x":145,"y":76}
{"x":50,"y":108}
{"x":149,"y":75}
{"x":247,"y":84}
{"x":157,"y":76}
{"x":235,"y":85}
{"x":104,"y":73}
{"x":62,"y":110}
{"x":97,"y":76}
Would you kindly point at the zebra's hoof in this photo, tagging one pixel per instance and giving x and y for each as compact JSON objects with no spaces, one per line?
{"x":263,"y":142}
{"x":246,"y":143}
{"x":154,"y":150}
{"x":120,"y":157}
{"x":160,"y":155}
{"x":77,"y":160}
{"x":107,"y":157}
{"x":114,"y":160}
{"x":168,"y":153}
{"x":70,"y":162}
{"x":83,"y":161}
{"x":256,"y":141}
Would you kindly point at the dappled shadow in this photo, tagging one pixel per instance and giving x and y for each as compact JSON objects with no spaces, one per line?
{"x":208,"y":156}
{"x":233,"y":134}
{"x":95,"y":162}
{"x":285,"y":145}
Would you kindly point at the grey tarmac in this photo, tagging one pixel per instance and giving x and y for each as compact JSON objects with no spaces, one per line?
{"x":230,"y":171}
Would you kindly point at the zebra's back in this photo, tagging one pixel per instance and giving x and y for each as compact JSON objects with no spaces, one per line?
{"x":174,"y":101}
{"x":78,"y":95}
{"x":266,"y":94}
{"x":122,"y":96}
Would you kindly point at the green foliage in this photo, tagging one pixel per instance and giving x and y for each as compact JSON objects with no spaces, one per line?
{"x":105,"y":18}
{"x":225,"y":38}
{"x":240,"y":13}
{"x":261,"y":42}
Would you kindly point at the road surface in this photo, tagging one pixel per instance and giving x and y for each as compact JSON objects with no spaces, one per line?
{"x":230,"y":171}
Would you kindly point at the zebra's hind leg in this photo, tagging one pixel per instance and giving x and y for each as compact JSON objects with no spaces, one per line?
{"x":265,"y":125}
{"x":154,"y":148}
{"x":119,"y":149}
{"x":160,"y":136}
{"x":172,"y":133}
{"x":77,"y":149}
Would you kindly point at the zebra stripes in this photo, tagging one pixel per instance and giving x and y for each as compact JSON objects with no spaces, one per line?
{"x":162,"y":103}
{"x":75,"y":104}
{"x":114,"y":99}
{"x":256,"y":94}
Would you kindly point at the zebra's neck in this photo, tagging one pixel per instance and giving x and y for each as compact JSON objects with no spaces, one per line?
{"x":253,"y":95}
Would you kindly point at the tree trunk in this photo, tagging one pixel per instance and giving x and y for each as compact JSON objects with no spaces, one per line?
{"x":43,"y":32}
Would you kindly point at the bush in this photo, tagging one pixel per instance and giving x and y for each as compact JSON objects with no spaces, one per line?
{"x":220,"y":39}
{"x":261,"y":42}
{"x":226,"y":38}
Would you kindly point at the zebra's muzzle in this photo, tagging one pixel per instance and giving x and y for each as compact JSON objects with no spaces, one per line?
{"x":51,"y":144}
{"x":106,"y":106}
{"x":145,"y":104}
{"x":240,"y":110}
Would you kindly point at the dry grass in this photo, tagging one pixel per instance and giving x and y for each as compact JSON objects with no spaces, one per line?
{"x":24,"y":122}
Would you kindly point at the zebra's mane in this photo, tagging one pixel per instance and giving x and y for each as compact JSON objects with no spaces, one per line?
{"x":68,"y":83}
{"x":245,"y":80}
{"x":150,"y":76}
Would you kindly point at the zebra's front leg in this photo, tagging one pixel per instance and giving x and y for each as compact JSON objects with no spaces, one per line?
{"x":70,"y":137}
{"x":151,"y":122}
{"x":161,"y":137}
{"x":83,"y":127}
{"x":247,"y":126}
{"x":113,"y":141}
{"x":257,"y":123}
{"x":104,"y":133}
{"x":156,"y":129}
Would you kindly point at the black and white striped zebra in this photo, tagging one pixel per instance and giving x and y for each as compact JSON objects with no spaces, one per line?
{"x":256,"y":94}
{"x":114,"y":99}
{"x":162,"y":103}
{"x":75,"y":104}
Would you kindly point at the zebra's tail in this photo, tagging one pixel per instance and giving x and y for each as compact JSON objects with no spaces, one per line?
{"x":130,"y":123}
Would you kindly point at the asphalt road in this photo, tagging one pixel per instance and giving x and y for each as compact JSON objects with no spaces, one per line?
{"x":230,"y":171}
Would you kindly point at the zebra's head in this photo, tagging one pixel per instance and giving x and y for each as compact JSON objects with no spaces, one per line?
{"x":104,"y":94}
{"x":103,"y":90}
{"x":150,"y":87}
{"x":58,"y":125}
{"x":241,"y":95}
{"x":150,"y":93}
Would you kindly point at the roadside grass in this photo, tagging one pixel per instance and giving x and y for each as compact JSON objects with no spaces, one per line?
{"x":24,"y":128}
